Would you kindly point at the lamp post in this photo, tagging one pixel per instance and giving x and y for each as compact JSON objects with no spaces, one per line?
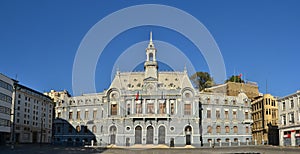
{"x":14,"y":117}
{"x":200,"y":123}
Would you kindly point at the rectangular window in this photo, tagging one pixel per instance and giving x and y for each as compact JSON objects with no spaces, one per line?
{"x":283,"y":118}
{"x":70,"y":115}
{"x":247,"y":130}
{"x":128,"y":108}
{"x":86,"y":115}
{"x":162,"y":108}
{"x":218,"y":129}
{"x":172,"y":107}
{"x":150,"y":108}
{"x":246,"y":115}
{"x":209,"y":129}
{"x":218,"y":116}
{"x":208,"y":114}
{"x":291,"y":118}
{"x":226,"y":115}
{"x":283,"y":106}
{"x":139,"y":108}
{"x":235,"y":129}
{"x":227,"y":129}
{"x":59,"y":115}
{"x":187,"y":109}
{"x":114,"y":109}
{"x":94,"y":114}
{"x":234,"y":116}
{"x":208,"y":100}
{"x":292,"y":104}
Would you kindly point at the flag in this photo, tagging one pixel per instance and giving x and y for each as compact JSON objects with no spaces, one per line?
{"x":137,"y":96}
{"x":240,"y":75}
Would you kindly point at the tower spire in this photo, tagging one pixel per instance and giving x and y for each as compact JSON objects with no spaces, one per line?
{"x":151,"y":44}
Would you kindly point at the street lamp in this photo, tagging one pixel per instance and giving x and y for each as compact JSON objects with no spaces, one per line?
{"x":14,"y":117}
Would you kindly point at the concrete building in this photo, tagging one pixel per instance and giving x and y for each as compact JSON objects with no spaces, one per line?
{"x":265,"y":115}
{"x":226,"y":119}
{"x":289,"y":128}
{"x":151,"y":108}
{"x":6,"y":93}
{"x":33,"y":116}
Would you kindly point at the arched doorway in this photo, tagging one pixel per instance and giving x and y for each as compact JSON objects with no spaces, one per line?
{"x":188,"y":135}
{"x":161,"y":135}
{"x":112,"y":132}
{"x":150,"y":134}
{"x":138,"y":135}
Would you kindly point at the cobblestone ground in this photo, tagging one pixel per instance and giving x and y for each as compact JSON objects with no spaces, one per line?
{"x":51,"y":149}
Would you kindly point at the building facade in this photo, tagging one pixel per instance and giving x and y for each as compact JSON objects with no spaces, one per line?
{"x":265,"y":115}
{"x":150,"y":108}
{"x":289,"y":128}
{"x":226,"y":119}
{"x":33,"y":116}
{"x":6,"y":93}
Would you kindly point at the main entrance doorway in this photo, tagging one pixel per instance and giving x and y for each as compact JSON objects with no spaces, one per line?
{"x":150,"y":132}
{"x":138,"y":135}
{"x":161,"y":135}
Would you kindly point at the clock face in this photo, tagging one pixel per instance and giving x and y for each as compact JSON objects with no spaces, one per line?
{"x":150,"y":87}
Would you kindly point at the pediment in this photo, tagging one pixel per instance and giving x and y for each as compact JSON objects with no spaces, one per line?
{"x":150,"y":79}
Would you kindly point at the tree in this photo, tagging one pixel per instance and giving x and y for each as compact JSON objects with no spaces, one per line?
{"x":202,"y":80}
{"x":235,"y":78}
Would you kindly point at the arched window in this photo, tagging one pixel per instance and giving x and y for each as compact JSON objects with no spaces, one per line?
{"x":209,"y":129}
{"x":236,"y":140}
{"x":150,"y":56}
{"x":227,"y":129}
{"x":94,"y":129}
{"x":218,"y":129}
{"x":227,"y":139}
{"x":235,"y":129}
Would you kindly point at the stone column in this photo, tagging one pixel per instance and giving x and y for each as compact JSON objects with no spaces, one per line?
{"x":168,"y":106}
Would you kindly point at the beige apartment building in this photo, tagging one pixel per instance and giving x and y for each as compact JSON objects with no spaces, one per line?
{"x":265,"y":116}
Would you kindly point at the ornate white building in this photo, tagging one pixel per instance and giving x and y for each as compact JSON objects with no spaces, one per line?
{"x":149,"y":107}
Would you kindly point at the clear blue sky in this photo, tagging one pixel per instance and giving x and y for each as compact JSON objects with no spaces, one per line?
{"x":260,"y":39}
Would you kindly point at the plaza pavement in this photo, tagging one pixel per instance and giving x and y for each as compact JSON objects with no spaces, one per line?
{"x":53,"y":149}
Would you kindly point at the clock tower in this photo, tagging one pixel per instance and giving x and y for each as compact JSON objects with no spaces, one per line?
{"x":150,"y":65}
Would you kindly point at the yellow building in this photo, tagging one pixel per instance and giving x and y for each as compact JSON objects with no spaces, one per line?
{"x":264,"y":113}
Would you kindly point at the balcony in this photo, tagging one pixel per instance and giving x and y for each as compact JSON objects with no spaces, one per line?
{"x":146,"y":117}
{"x":247,"y":121}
